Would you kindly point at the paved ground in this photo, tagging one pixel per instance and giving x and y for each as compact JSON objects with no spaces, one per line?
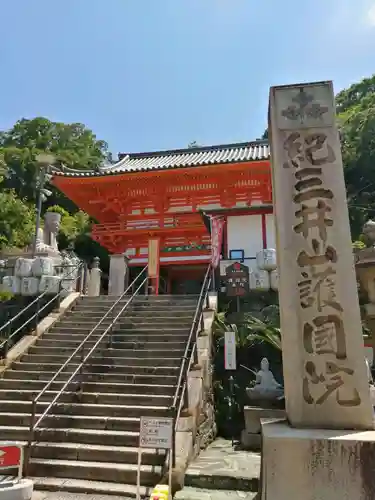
{"x":221,"y":472}
{"x":46,"y":495}
{"x":203,"y":494}
{"x":224,"y":467}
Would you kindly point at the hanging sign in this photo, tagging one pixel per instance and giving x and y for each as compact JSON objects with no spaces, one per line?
{"x":217,"y":231}
{"x":237,"y":280}
{"x":230,"y":362}
{"x":153,"y":257}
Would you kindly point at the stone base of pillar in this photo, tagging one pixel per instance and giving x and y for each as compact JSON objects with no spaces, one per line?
{"x":316,"y":464}
{"x":117,"y":273}
{"x":93,"y":287}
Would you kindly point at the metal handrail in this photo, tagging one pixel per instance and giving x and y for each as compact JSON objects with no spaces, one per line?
{"x":4,"y":346}
{"x":197,"y":318}
{"x":35,"y":424}
{"x":187,"y":360}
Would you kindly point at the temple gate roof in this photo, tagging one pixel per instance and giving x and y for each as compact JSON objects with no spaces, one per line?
{"x":178,"y":158}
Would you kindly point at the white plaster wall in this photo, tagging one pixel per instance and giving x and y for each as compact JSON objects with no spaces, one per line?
{"x":271,"y":231}
{"x":245,"y":232}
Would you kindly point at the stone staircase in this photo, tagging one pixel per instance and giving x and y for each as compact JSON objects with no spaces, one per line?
{"x":89,"y":441}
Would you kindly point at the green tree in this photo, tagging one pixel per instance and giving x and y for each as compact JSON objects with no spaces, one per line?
{"x":17,"y":221}
{"x":356,"y":118}
{"x":73,"y":145}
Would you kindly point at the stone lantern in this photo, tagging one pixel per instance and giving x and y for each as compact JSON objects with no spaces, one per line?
{"x":365,"y":268}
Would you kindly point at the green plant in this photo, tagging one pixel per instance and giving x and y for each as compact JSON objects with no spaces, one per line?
{"x":5,"y":296}
{"x":248,"y":332}
{"x":58,"y":210}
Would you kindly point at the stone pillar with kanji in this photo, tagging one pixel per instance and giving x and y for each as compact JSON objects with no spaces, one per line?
{"x":326,"y":385}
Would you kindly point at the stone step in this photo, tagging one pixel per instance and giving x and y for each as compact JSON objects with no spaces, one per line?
{"x":91,"y":489}
{"x":103,"y":308}
{"x":128,"y":329}
{"x":89,"y":322}
{"x":115,"y":398}
{"x":116,"y":344}
{"x":128,"y":356}
{"x":100,"y":471}
{"x":146,"y":312}
{"x":91,"y":377}
{"x":57,"y":421}
{"x":82,"y":436}
{"x":113,"y":405}
{"x":131,"y":316}
{"x":188,"y":493}
{"x":143,"y":297}
{"x":102,"y":351}
{"x":150,"y":379}
{"x":116,"y":360}
{"x":96,"y":453}
{"x":157,"y":308}
{"x":135,"y":309}
{"x":101,"y":387}
{"x":136,"y":302}
{"x":126,"y":339}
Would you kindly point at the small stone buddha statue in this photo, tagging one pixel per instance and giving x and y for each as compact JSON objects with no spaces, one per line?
{"x":266,"y":387}
{"x":46,"y":241}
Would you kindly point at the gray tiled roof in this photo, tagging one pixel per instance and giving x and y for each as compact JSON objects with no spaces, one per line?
{"x":180,"y":158}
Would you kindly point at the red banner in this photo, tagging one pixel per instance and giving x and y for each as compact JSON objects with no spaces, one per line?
{"x":217,"y":231}
{"x":10,"y":456}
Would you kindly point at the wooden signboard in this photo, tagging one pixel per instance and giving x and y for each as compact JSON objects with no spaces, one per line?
{"x":237,"y":280}
{"x":153,"y":257}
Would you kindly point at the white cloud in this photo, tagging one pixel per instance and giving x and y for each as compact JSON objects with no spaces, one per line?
{"x":370,"y":17}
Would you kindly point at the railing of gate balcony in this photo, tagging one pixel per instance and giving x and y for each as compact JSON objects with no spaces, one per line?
{"x":40,"y":304}
{"x":190,"y":357}
{"x":80,"y":350}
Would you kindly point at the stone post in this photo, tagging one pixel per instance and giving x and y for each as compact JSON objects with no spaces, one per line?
{"x":117,"y":273}
{"x":93,"y":289}
{"x":323,"y":355}
{"x":326,"y":384}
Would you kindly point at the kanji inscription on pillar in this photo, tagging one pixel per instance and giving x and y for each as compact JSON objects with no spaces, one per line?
{"x":323,"y":354}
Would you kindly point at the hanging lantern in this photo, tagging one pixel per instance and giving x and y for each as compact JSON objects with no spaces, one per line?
{"x":259,"y":280}
{"x":266,"y":259}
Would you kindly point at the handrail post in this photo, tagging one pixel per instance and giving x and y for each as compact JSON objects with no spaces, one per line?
{"x":31,"y":438}
{"x":37,"y":314}
{"x":6,"y":346}
{"x":174,"y":416}
{"x":82,"y":357}
{"x":58,"y":298}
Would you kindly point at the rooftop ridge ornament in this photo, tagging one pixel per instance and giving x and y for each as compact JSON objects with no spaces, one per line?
{"x":305,"y":108}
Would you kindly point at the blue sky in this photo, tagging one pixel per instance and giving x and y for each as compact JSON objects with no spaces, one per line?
{"x":156,"y":74}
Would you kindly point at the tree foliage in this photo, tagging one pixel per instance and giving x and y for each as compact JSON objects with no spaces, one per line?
{"x":72,"y":145}
{"x":356,"y":116}
{"x":16,"y":221}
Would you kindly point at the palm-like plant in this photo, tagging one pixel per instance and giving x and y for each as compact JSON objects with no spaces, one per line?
{"x":248,"y":332}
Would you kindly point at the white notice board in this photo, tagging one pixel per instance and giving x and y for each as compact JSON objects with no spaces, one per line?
{"x":230,"y":362}
{"x":156,"y":433}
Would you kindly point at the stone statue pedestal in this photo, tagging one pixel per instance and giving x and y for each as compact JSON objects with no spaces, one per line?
{"x":316,"y":464}
{"x":251,"y":437}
